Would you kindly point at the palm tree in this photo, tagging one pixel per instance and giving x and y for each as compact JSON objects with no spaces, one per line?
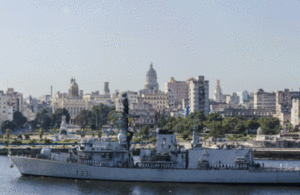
{"x":41,"y":133}
{"x":8,"y":133}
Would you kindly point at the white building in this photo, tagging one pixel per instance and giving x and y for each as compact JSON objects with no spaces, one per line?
{"x":232,"y":100}
{"x":264,"y":99}
{"x":131,"y":96}
{"x":142,"y":113}
{"x":295,"y":112}
{"x":218,"y":96}
{"x":198,"y":94}
{"x":151,"y":84}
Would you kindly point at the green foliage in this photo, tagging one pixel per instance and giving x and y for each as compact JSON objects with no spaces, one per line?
{"x":99,"y":134}
{"x":161,"y":122}
{"x":213,"y":117}
{"x":19,"y":119}
{"x":186,"y":134}
{"x":296,"y":128}
{"x":27,"y":136}
{"x":8,"y":125}
{"x":56,"y":117}
{"x":31,"y":142}
{"x":153,"y":139}
{"x":1,"y":136}
{"x":47,"y":141}
{"x":6,"y":143}
{"x":99,"y":115}
{"x":216,"y":130}
{"x":251,"y":124}
{"x":137,"y":139}
{"x":41,"y":133}
{"x":83,"y":118}
{"x":113,"y":117}
{"x":42,"y":118}
{"x":144,"y":130}
{"x":269,"y":125}
{"x":16,"y":142}
{"x":20,"y":137}
{"x":82,"y":135}
{"x":239,"y":129}
{"x":8,"y":133}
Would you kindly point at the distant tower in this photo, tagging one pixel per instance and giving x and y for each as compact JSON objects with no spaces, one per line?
{"x":151,"y":79}
{"x":51,"y":91}
{"x":218,"y":92}
{"x":106,"y":88}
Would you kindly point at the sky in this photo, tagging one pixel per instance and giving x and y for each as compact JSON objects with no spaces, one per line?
{"x":246,"y":44}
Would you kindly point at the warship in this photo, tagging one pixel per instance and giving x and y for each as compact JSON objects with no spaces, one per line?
{"x":104,"y":159}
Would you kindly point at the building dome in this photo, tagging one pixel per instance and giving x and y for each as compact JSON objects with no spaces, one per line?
{"x":73,"y":91}
{"x":151,"y":79}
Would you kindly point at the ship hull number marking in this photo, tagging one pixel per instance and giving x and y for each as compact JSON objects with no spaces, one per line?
{"x":83,"y":173}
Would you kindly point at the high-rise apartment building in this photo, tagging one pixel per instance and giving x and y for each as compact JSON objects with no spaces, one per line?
{"x":264,"y":99}
{"x":15,"y":99}
{"x":198,"y":94}
{"x":295,"y":111}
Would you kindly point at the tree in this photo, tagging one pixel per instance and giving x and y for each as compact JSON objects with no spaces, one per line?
{"x":296,"y":128}
{"x":56,"y":117}
{"x":99,"y":114}
{"x":239,"y":129}
{"x":41,"y":133}
{"x":99,"y":134}
{"x":8,"y":133}
{"x":251,"y":124}
{"x":83,"y":118}
{"x":216,"y":130}
{"x":229,"y":124}
{"x":269,"y":125}
{"x":42,"y":118}
{"x":144,"y":130}
{"x":8,"y":125}
{"x":161,"y":121}
{"x":213,"y":117}
{"x":19,"y":119}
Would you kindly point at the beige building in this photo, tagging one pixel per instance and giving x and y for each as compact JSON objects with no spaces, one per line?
{"x":295,"y":111}
{"x":74,"y":101}
{"x":159,"y":101}
{"x":198,"y":94}
{"x":264,"y":99}
{"x":6,"y":111}
{"x":179,"y":89}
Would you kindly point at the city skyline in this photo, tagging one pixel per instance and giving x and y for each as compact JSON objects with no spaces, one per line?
{"x":247,"y":45}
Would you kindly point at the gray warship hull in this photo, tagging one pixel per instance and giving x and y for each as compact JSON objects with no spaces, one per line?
{"x":50,"y":168}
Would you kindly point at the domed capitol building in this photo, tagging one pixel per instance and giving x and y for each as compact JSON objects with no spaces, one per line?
{"x":151,"y":80}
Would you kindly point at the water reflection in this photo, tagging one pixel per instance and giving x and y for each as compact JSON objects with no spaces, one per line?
{"x":70,"y":186}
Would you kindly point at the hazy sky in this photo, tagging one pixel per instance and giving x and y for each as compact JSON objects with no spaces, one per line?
{"x":246,"y":44}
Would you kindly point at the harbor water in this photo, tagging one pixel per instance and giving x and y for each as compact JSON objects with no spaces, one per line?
{"x":12,"y":183}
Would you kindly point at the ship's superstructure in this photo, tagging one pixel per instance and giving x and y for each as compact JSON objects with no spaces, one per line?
{"x":108,"y":160}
